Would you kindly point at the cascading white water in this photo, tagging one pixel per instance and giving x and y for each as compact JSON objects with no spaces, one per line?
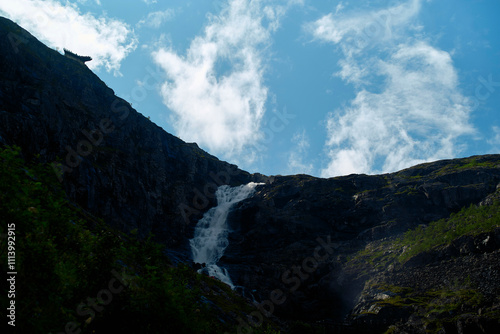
{"x":211,"y":232}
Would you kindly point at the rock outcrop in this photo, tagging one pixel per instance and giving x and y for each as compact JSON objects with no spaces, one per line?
{"x":296,"y":235}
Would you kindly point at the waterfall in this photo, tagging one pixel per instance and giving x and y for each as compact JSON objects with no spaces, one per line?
{"x":211,"y":232}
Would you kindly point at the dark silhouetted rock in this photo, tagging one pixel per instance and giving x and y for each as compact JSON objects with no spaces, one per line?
{"x":117,"y":164}
{"x":277,"y":232}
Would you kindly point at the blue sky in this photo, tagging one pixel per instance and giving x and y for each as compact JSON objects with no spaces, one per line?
{"x":325,"y":88}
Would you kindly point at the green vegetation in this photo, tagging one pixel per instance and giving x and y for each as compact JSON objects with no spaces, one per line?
{"x":441,"y":306}
{"x":472,"y":220}
{"x":408,"y":190}
{"x":470,"y":163}
{"x":74,"y":272}
{"x":473,"y":163}
{"x":437,"y":307}
{"x":459,"y":295}
{"x":453,"y":166}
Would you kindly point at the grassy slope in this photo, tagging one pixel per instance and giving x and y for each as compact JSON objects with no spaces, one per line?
{"x":437,"y":306}
{"x":472,"y":220}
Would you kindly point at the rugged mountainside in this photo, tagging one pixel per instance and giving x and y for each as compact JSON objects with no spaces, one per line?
{"x":299,"y":234}
{"x":115,"y":162}
{"x":328,"y":252}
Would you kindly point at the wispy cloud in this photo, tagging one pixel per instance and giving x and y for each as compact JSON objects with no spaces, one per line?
{"x":408,"y":106}
{"x":495,"y":140}
{"x":97,"y":2}
{"x":156,"y":19}
{"x":416,"y":117}
{"x":362,"y":29}
{"x":296,"y":164}
{"x":339,"y":7}
{"x":216,"y":92}
{"x":107,"y":41}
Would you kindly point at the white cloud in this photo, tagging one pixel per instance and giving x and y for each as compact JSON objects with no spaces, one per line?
{"x":149,"y":2}
{"x":416,"y":117}
{"x":216,"y":92}
{"x":107,"y":41}
{"x":97,"y":2}
{"x":362,"y":29}
{"x":417,"y":111}
{"x":339,"y":7}
{"x":156,"y":19}
{"x":495,"y":140}
{"x":296,"y":164}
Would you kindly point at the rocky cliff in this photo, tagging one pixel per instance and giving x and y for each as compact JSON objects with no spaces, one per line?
{"x":319,"y":243}
{"x":114,"y":161}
